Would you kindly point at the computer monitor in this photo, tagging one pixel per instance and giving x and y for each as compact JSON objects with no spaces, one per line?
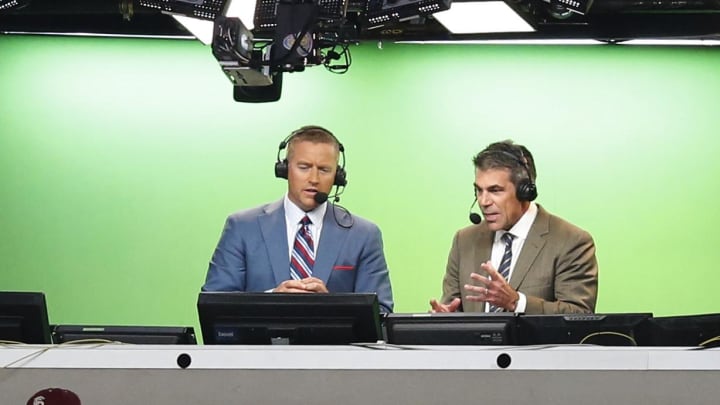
{"x":286,"y":318}
{"x":456,"y":328}
{"x":148,"y":335}
{"x":688,"y":330}
{"x":24,"y":317}
{"x":597,"y":329}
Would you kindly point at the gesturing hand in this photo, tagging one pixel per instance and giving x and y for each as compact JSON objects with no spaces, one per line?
{"x":493,"y":289}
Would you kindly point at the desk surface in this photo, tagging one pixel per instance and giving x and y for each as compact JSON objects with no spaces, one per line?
{"x":374,"y":357}
{"x":115,"y":374}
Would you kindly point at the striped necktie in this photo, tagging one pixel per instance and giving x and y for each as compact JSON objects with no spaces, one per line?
{"x":303,"y":253}
{"x":504,"y":268}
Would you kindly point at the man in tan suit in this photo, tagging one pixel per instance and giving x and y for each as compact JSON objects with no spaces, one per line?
{"x":545,"y":265}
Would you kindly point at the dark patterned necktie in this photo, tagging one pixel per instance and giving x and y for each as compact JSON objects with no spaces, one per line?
{"x":303,"y":253}
{"x":504,"y":268}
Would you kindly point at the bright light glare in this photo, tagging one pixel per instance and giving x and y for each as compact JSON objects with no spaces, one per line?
{"x":203,"y":29}
{"x":482,"y":17}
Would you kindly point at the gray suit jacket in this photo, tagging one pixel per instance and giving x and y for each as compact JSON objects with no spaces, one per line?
{"x":252,"y":254}
{"x":556,"y":269}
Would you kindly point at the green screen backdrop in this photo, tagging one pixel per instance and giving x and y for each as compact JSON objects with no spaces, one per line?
{"x":121,"y":158}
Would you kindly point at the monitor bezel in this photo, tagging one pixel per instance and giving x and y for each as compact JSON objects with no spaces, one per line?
{"x":699,"y":330}
{"x":610,"y":329}
{"x":451,"y":328}
{"x":148,"y":335}
{"x":29,"y":309}
{"x":290,"y":318}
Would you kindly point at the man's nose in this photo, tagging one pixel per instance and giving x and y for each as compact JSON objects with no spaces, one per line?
{"x":484,"y":199}
{"x":314,"y":176}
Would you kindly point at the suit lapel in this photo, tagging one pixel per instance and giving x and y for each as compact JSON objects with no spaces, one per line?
{"x":531,"y":248}
{"x":483,"y":248}
{"x":273,"y":228}
{"x":331,"y":239}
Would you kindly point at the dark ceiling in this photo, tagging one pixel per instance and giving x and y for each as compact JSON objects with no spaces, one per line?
{"x":611,"y":20}
{"x":88,"y":16}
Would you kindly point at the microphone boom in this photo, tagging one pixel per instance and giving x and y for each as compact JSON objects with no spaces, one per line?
{"x":475,"y":218}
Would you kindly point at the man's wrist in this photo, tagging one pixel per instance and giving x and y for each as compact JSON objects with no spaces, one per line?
{"x":521,"y":303}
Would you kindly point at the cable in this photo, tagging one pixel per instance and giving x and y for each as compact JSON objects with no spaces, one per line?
{"x":227,"y":44}
{"x":332,"y":54}
{"x":335,"y":198}
{"x":608,"y":333}
{"x":712,"y":342}
{"x":29,"y":356}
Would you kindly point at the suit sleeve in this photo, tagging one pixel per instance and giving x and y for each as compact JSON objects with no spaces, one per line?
{"x":451,"y":284}
{"x":576,"y":280}
{"x":372,"y":272}
{"x":227,"y":268}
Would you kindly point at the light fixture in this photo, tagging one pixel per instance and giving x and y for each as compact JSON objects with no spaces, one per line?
{"x":575,"y":6}
{"x":566,"y":41}
{"x":266,"y":11}
{"x":202,"y":29}
{"x":203,"y":9}
{"x":197,"y":16}
{"x":383,"y":12}
{"x":255,"y":42}
{"x":11,"y":4}
{"x":481,"y":17}
{"x":573,"y":41}
{"x":671,"y":42}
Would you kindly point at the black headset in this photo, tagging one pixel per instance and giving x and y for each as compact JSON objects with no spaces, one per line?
{"x":525,"y":190}
{"x":281,"y":166}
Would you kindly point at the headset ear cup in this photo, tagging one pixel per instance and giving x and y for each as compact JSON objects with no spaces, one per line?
{"x":526,"y":190}
{"x":532,"y":191}
{"x":281,"y":169}
{"x":340,"y":177}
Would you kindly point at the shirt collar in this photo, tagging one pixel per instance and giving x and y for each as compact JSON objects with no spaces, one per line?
{"x":522,"y":226}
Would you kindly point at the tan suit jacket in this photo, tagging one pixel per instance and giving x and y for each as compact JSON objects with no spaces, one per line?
{"x":556,"y":269}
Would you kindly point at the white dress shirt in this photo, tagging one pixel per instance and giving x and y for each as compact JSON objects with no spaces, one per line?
{"x":293,"y":215}
{"x":520,"y":232}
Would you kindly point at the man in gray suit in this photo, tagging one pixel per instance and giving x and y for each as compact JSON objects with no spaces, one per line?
{"x":302,"y":243}
{"x":544,"y":265}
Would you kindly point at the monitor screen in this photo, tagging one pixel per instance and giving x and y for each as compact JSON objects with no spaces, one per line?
{"x":286,"y":318}
{"x":23,"y":317}
{"x":149,"y":335}
{"x":456,"y":328}
{"x":597,"y":329}
{"x":689,"y":330}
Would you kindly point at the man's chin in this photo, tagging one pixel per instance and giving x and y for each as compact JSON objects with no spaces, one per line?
{"x":494,"y":226}
{"x":309,"y":204}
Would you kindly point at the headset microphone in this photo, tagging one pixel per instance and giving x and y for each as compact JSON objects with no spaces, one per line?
{"x":475,"y":218}
{"x":320,"y":197}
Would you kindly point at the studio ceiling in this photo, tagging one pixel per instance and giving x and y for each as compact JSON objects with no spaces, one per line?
{"x":610,"y":20}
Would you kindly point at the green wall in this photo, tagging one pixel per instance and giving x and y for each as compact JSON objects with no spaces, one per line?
{"x":120,"y":159}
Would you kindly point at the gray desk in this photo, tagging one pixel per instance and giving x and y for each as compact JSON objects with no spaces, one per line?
{"x":115,"y":374}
